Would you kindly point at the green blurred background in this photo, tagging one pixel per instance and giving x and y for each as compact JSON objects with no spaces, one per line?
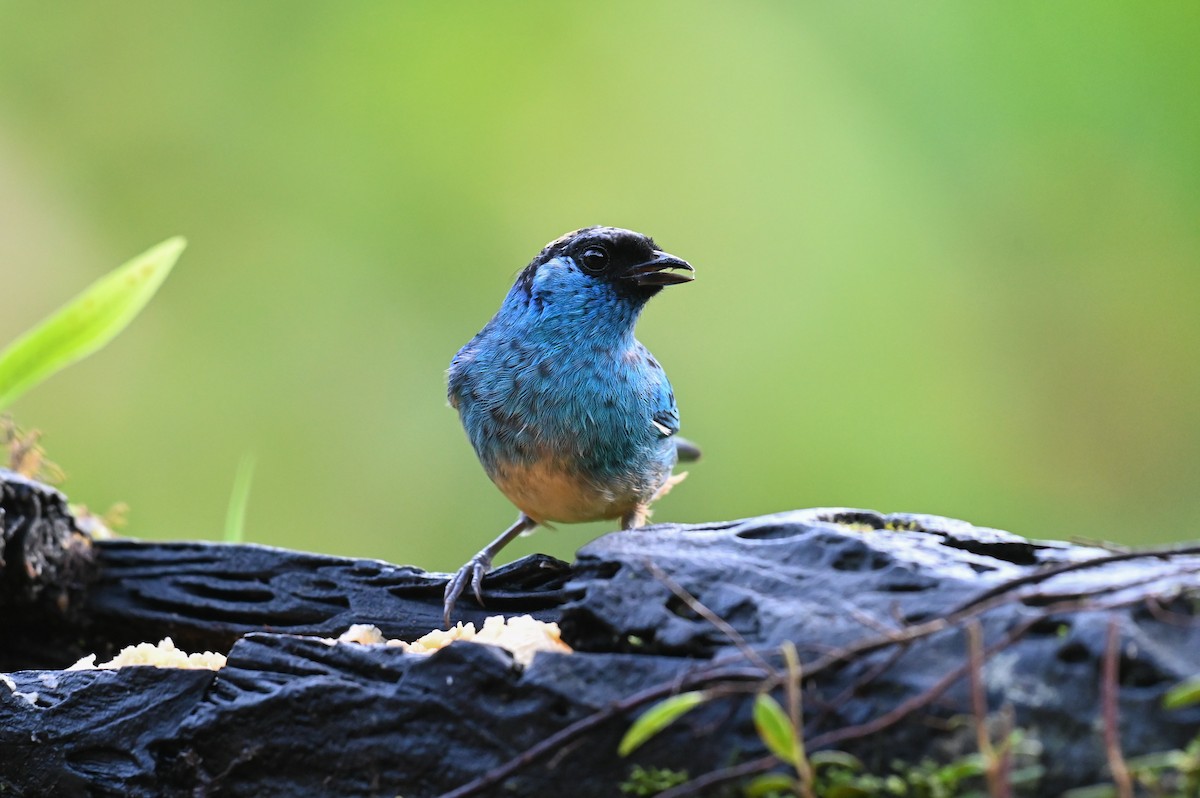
{"x":948,"y":255}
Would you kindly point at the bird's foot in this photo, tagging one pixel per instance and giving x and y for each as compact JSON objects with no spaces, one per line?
{"x":470,"y":574}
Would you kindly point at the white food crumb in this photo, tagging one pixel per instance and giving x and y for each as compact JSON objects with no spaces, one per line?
{"x":523,"y":636}
{"x":163,"y":655}
{"x":11,"y":685}
{"x":363,"y":633}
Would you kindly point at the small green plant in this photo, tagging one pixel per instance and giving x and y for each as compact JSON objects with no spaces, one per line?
{"x":652,"y":781}
{"x":836,"y":774}
{"x":1167,"y":774}
{"x":782,"y":733}
{"x":1171,"y":774}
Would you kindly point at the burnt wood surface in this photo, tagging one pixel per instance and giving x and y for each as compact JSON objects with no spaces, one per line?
{"x":46,"y":564}
{"x":292,"y":714}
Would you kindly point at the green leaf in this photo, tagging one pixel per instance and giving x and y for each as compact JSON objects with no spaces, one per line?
{"x":657,"y":718}
{"x":87,"y":322}
{"x":963,"y":768}
{"x":1031,"y":775}
{"x":1184,"y":694}
{"x":1094,"y":791}
{"x":235,"y":516}
{"x":1159,"y":760}
{"x":775,"y":728}
{"x":770,"y":784}
{"x":839,"y":759}
{"x":849,"y":791}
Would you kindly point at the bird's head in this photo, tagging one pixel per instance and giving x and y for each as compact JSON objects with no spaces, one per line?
{"x":609,"y":260}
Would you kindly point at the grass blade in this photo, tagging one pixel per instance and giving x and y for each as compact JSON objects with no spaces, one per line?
{"x":87,"y":322}
{"x":239,"y":498}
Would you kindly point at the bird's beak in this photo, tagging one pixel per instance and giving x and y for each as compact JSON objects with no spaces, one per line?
{"x":654,"y":271}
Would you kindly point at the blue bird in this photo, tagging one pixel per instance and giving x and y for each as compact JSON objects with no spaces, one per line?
{"x":571,"y":417}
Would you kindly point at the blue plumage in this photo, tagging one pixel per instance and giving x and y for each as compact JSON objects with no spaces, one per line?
{"x":572,"y":418}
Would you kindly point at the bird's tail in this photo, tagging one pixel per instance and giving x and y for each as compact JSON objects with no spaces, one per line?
{"x":688,"y":452}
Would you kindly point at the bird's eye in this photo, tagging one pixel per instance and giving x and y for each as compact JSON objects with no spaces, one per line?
{"x":594,"y":259}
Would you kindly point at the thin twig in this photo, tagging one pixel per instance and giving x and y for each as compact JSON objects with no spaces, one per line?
{"x":696,"y":606}
{"x":869,"y":622}
{"x":869,"y":645}
{"x":874,"y":672}
{"x":899,"y":712}
{"x":795,"y":704}
{"x":978,"y":694}
{"x":1046,"y":573}
{"x":1036,"y":598}
{"x":1095,"y":543}
{"x":1112,"y":723}
{"x":995,"y":765}
{"x":902,"y":710}
{"x":1155,"y":606}
{"x":1007,"y":722}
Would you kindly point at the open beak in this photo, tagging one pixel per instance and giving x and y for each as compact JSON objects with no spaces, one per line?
{"x":655,"y":271}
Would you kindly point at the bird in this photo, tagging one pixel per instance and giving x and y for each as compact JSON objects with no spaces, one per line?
{"x":571,"y":416}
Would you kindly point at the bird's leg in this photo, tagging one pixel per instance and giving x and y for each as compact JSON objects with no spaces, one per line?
{"x":472,"y":573}
{"x":636,"y":517}
{"x":639,"y":515}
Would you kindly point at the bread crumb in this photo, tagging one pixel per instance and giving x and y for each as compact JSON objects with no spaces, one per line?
{"x":522,"y":635}
{"x":163,"y":655}
{"x":363,"y":633}
{"x":30,"y":697}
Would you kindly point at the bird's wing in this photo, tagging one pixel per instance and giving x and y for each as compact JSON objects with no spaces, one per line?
{"x":666,"y":422}
{"x":664,"y":413}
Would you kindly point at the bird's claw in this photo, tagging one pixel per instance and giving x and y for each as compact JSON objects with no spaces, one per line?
{"x":472,"y":573}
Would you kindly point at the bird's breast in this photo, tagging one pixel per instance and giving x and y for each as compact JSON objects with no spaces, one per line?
{"x":548,"y":489}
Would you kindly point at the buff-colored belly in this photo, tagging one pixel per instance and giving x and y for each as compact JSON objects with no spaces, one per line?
{"x":546,"y":491}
